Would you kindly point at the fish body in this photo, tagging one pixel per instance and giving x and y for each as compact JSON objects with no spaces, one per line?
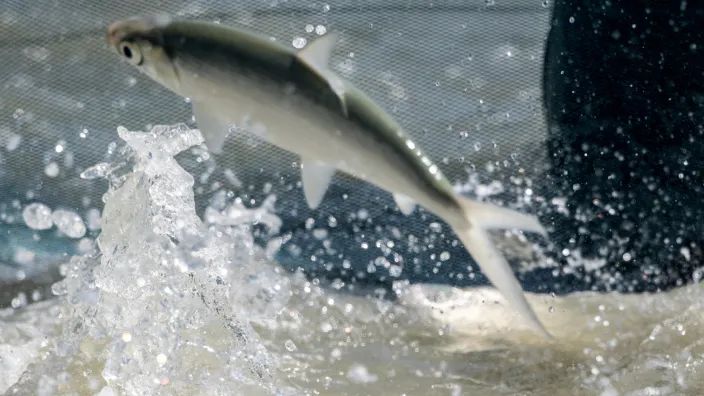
{"x":296,"y":102}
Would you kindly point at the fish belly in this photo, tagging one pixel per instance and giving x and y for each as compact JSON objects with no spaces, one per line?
{"x":300,"y":126}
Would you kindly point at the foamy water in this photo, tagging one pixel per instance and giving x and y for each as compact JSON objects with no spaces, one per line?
{"x":167,"y":304}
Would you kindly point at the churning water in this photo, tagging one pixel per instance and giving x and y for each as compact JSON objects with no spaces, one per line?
{"x":164,"y":303}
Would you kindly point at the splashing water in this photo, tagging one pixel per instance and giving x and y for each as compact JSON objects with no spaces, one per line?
{"x":165,"y":303}
{"x":141,"y":304}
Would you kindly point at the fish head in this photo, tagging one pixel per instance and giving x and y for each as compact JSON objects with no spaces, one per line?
{"x":139,"y":41}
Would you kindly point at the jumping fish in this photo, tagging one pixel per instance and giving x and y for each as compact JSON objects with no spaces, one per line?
{"x":302,"y":106}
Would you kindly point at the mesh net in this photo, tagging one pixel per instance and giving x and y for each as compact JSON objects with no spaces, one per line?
{"x":462,"y":77}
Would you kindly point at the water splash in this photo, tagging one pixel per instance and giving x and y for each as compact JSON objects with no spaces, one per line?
{"x":167,"y":304}
{"x":156,"y":306}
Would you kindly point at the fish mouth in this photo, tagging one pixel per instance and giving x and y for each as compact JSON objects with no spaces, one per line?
{"x":134,"y":27}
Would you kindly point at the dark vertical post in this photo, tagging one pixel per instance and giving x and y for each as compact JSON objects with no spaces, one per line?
{"x":624,"y":94}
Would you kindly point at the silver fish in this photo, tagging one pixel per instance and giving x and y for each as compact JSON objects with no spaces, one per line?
{"x":303,"y":107}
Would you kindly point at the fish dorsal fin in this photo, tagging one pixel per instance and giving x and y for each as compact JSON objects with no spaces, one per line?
{"x":213,"y":129}
{"x":317,"y":56}
{"x":317,"y":53}
{"x":315,"y":176}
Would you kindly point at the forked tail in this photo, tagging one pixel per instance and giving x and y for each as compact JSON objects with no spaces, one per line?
{"x":474,"y":236}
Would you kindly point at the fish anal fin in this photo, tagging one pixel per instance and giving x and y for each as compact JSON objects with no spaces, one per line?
{"x":315,"y":176}
{"x":405,"y":204}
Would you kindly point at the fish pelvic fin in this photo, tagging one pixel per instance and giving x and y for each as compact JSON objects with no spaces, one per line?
{"x":482,"y":217}
{"x":213,"y":129}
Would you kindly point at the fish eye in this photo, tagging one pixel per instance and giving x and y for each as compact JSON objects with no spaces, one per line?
{"x":132,"y":52}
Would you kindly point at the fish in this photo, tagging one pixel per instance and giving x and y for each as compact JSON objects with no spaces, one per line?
{"x":297,"y":102}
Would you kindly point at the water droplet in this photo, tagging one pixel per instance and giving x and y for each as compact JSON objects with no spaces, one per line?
{"x":96,"y":171}
{"x":37,"y":216}
{"x":93,"y":218}
{"x":320,"y":233}
{"x":299,"y":42}
{"x":444,"y":256}
{"x":546,"y":3}
{"x":326,"y":8}
{"x":37,"y":54}
{"x":571,"y":19}
{"x":51,"y":169}
{"x":395,"y":270}
{"x":12,"y":142}
{"x":19,"y":301}
{"x":360,"y":374}
{"x":310,"y":28}
{"x":161,"y":359}
{"x":70,"y":223}
{"x":290,"y":346}
{"x":320,"y":30}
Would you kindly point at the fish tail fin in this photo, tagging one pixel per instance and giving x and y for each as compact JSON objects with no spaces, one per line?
{"x":482,"y":217}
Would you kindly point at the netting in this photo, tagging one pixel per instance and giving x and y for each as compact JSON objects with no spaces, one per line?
{"x":464,"y":78}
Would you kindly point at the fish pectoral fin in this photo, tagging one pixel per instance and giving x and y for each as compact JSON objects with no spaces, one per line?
{"x":316,"y":177}
{"x":317,"y":53}
{"x":405,"y":204}
{"x":213,"y":129}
